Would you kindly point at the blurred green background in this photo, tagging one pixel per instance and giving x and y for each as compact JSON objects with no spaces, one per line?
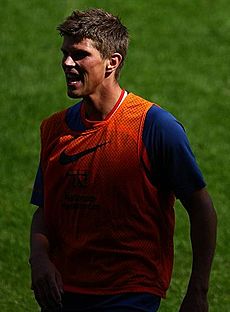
{"x":179,"y":57}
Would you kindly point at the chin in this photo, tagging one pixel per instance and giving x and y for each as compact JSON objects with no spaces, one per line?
{"x":74,"y":95}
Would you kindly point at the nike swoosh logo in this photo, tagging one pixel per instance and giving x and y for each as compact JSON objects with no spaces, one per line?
{"x":66,"y":159}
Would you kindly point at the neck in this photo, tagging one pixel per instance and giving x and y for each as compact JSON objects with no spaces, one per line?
{"x":99,"y":105}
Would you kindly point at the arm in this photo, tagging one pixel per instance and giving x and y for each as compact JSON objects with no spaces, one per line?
{"x":39,"y":244}
{"x":203,"y":222}
{"x":46,"y":280}
{"x":175,"y":169}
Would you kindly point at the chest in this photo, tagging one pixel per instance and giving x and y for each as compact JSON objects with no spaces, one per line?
{"x":112,"y":150}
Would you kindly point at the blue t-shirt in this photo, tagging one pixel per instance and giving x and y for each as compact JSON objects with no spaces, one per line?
{"x":175,"y":167}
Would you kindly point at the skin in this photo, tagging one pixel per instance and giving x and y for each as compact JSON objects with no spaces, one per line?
{"x":93,"y":78}
{"x":46,"y":280}
{"x":97,"y":84}
{"x":203,"y":225}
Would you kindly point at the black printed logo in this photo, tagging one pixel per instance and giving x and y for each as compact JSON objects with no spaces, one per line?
{"x":66,"y":159}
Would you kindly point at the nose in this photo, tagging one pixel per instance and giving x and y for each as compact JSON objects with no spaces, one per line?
{"x":68,"y":61}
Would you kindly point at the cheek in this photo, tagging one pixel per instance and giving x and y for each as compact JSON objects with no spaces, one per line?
{"x":100,"y":71}
{"x":96,"y":66}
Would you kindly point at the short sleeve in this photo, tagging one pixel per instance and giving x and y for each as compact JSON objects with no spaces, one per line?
{"x":173,"y":164}
{"x":37,"y":197}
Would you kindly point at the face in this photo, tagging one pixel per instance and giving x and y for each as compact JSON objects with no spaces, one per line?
{"x":83,"y":66}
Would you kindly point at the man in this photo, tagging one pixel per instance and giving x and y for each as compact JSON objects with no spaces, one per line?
{"x":111,"y":165}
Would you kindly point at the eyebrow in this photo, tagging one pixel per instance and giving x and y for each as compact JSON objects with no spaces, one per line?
{"x":75,"y":51}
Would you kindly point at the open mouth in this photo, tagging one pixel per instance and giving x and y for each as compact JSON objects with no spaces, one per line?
{"x":73,"y":79}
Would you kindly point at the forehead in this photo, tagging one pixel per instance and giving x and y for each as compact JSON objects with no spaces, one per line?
{"x":71,"y":43}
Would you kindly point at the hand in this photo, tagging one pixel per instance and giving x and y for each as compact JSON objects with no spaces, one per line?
{"x":46,"y":283}
{"x":194,"y":302}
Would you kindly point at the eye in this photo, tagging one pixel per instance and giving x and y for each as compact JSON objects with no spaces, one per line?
{"x":76,"y":55}
{"x":79,"y":55}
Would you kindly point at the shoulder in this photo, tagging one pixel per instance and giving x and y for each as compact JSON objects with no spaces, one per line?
{"x":68,"y":116}
{"x":52,"y":126}
{"x":134,"y":101}
{"x":170,"y":154}
{"x":161,"y":118}
{"x":53,"y":120}
{"x":162,"y":126}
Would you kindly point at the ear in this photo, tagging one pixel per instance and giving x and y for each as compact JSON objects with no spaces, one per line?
{"x":113,"y":62}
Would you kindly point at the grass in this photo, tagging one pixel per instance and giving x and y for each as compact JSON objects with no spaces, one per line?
{"x":179,"y":57}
